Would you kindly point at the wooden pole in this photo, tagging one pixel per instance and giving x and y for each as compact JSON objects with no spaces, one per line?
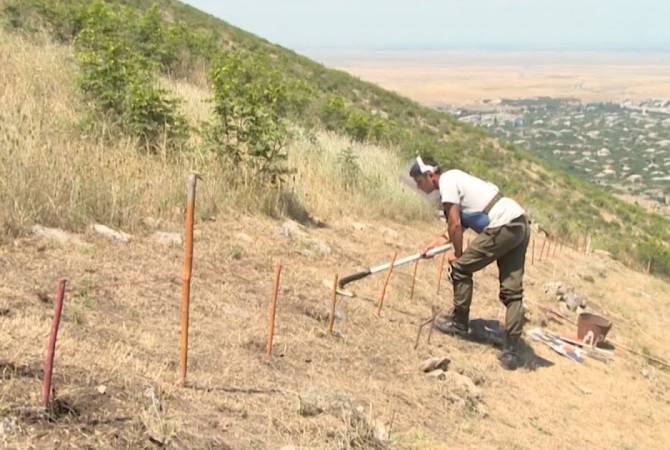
{"x":532,"y":245}
{"x":273,"y":309}
{"x":387,"y":278}
{"x":332,"y":309}
{"x":51,"y":345}
{"x":186,"y":278}
{"x":440,"y":271}
{"x":411,"y":291}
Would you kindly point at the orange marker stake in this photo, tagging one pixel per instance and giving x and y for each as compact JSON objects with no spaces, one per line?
{"x":411,"y":291}
{"x":273,"y":309}
{"x":51,"y":347}
{"x":440,"y":271}
{"x":332,"y":309}
{"x":386,"y":282}
{"x":186,"y":279}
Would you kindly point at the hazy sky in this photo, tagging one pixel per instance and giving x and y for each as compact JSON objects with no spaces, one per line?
{"x":486,"y":24}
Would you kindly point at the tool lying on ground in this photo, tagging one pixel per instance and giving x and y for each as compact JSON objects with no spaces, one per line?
{"x":382,"y":267}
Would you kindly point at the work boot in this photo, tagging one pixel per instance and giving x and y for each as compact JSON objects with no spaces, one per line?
{"x":451,"y":324}
{"x":508,"y":357}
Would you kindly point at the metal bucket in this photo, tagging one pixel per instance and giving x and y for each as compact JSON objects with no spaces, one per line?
{"x":592,"y":328}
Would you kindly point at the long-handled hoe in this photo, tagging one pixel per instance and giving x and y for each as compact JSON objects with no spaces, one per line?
{"x":382,"y":267}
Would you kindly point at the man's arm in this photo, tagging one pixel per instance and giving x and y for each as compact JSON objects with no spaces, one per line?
{"x":453,"y":214}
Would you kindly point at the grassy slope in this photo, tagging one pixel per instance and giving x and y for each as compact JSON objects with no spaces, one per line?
{"x":120,"y":322}
{"x":561,"y":204}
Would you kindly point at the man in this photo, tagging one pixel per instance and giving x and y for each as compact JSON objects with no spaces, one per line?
{"x":503,"y":234}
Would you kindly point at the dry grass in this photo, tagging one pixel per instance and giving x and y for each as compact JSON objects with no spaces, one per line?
{"x":52,"y":173}
{"x":120,"y":330}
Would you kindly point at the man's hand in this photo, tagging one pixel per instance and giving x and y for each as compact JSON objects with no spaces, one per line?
{"x":436,"y":243}
{"x":451,"y":258}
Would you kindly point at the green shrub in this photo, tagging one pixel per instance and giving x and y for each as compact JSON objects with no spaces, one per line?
{"x":119,"y":82}
{"x":348,"y":169}
{"x":251,"y":102}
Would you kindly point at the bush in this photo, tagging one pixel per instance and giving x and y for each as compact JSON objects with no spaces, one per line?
{"x":251,"y":101}
{"x":119,"y":82}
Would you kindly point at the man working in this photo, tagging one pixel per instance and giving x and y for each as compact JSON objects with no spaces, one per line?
{"x":503,"y":234}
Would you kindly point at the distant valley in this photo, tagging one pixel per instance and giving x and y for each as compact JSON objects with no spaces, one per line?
{"x":603,"y":116}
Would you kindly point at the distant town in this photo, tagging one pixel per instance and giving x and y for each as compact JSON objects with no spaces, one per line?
{"x":624,"y":146}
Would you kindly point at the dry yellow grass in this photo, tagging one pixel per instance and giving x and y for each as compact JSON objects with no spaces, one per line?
{"x":53,"y":173}
{"x":120,"y":330}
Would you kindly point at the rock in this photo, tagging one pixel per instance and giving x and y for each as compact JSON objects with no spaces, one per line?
{"x":102,"y":389}
{"x":357,"y":226}
{"x":573,"y":301}
{"x":296,"y":232}
{"x":112,"y":235}
{"x":243,"y":237}
{"x":438,"y":374}
{"x":319,"y":247}
{"x":390,"y":234}
{"x":314,"y":401}
{"x":293,"y":230}
{"x":380,"y":431}
{"x":432,"y":364}
{"x":56,"y":234}
{"x":8,"y":426}
{"x":462,"y":386}
{"x":169,"y":239}
{"x":554,"y":289}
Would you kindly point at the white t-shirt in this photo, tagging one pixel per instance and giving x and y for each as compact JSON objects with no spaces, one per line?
{"x":472,"y":194}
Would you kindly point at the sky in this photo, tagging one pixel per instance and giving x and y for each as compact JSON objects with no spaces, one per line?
{"x":452,"y":24}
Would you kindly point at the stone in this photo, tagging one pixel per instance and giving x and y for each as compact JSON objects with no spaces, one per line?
{"x":314,"y":401}
{"x":380,"y":431}
{"x":293,"y":230}
{"x":166,"y":238}
{"x":462,"y":386}
{"x":56,"y":234}
{"x":111,"y":234}
{"x":438,"y":374}
{"x":298,"y":233}
{"x":243,"y":237}
{"x":102,"y":389}
{"x":435,"y":363}
{"x":573,"y":301}
{"x":358,"y":226}
{"x":321,"y":248}
{"x":8,"y":426}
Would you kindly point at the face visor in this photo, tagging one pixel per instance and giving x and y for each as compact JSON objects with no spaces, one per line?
{"x":418,"y":167}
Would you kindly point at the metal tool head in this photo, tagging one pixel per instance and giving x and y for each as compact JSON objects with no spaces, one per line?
{"x":339,"y":290}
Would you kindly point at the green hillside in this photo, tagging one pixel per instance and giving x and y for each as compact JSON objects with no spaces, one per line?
{"x":126,"y":54}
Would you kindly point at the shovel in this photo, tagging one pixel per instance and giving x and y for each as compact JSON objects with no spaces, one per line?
{"x":382,"y":267}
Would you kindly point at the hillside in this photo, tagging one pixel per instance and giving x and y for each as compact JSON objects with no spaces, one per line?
{"x":316,"y":187}
{"x":316,"y":98}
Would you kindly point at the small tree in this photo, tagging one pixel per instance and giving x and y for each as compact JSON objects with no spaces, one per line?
{"x":119,"y":81}
{"x":251,"y":100}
